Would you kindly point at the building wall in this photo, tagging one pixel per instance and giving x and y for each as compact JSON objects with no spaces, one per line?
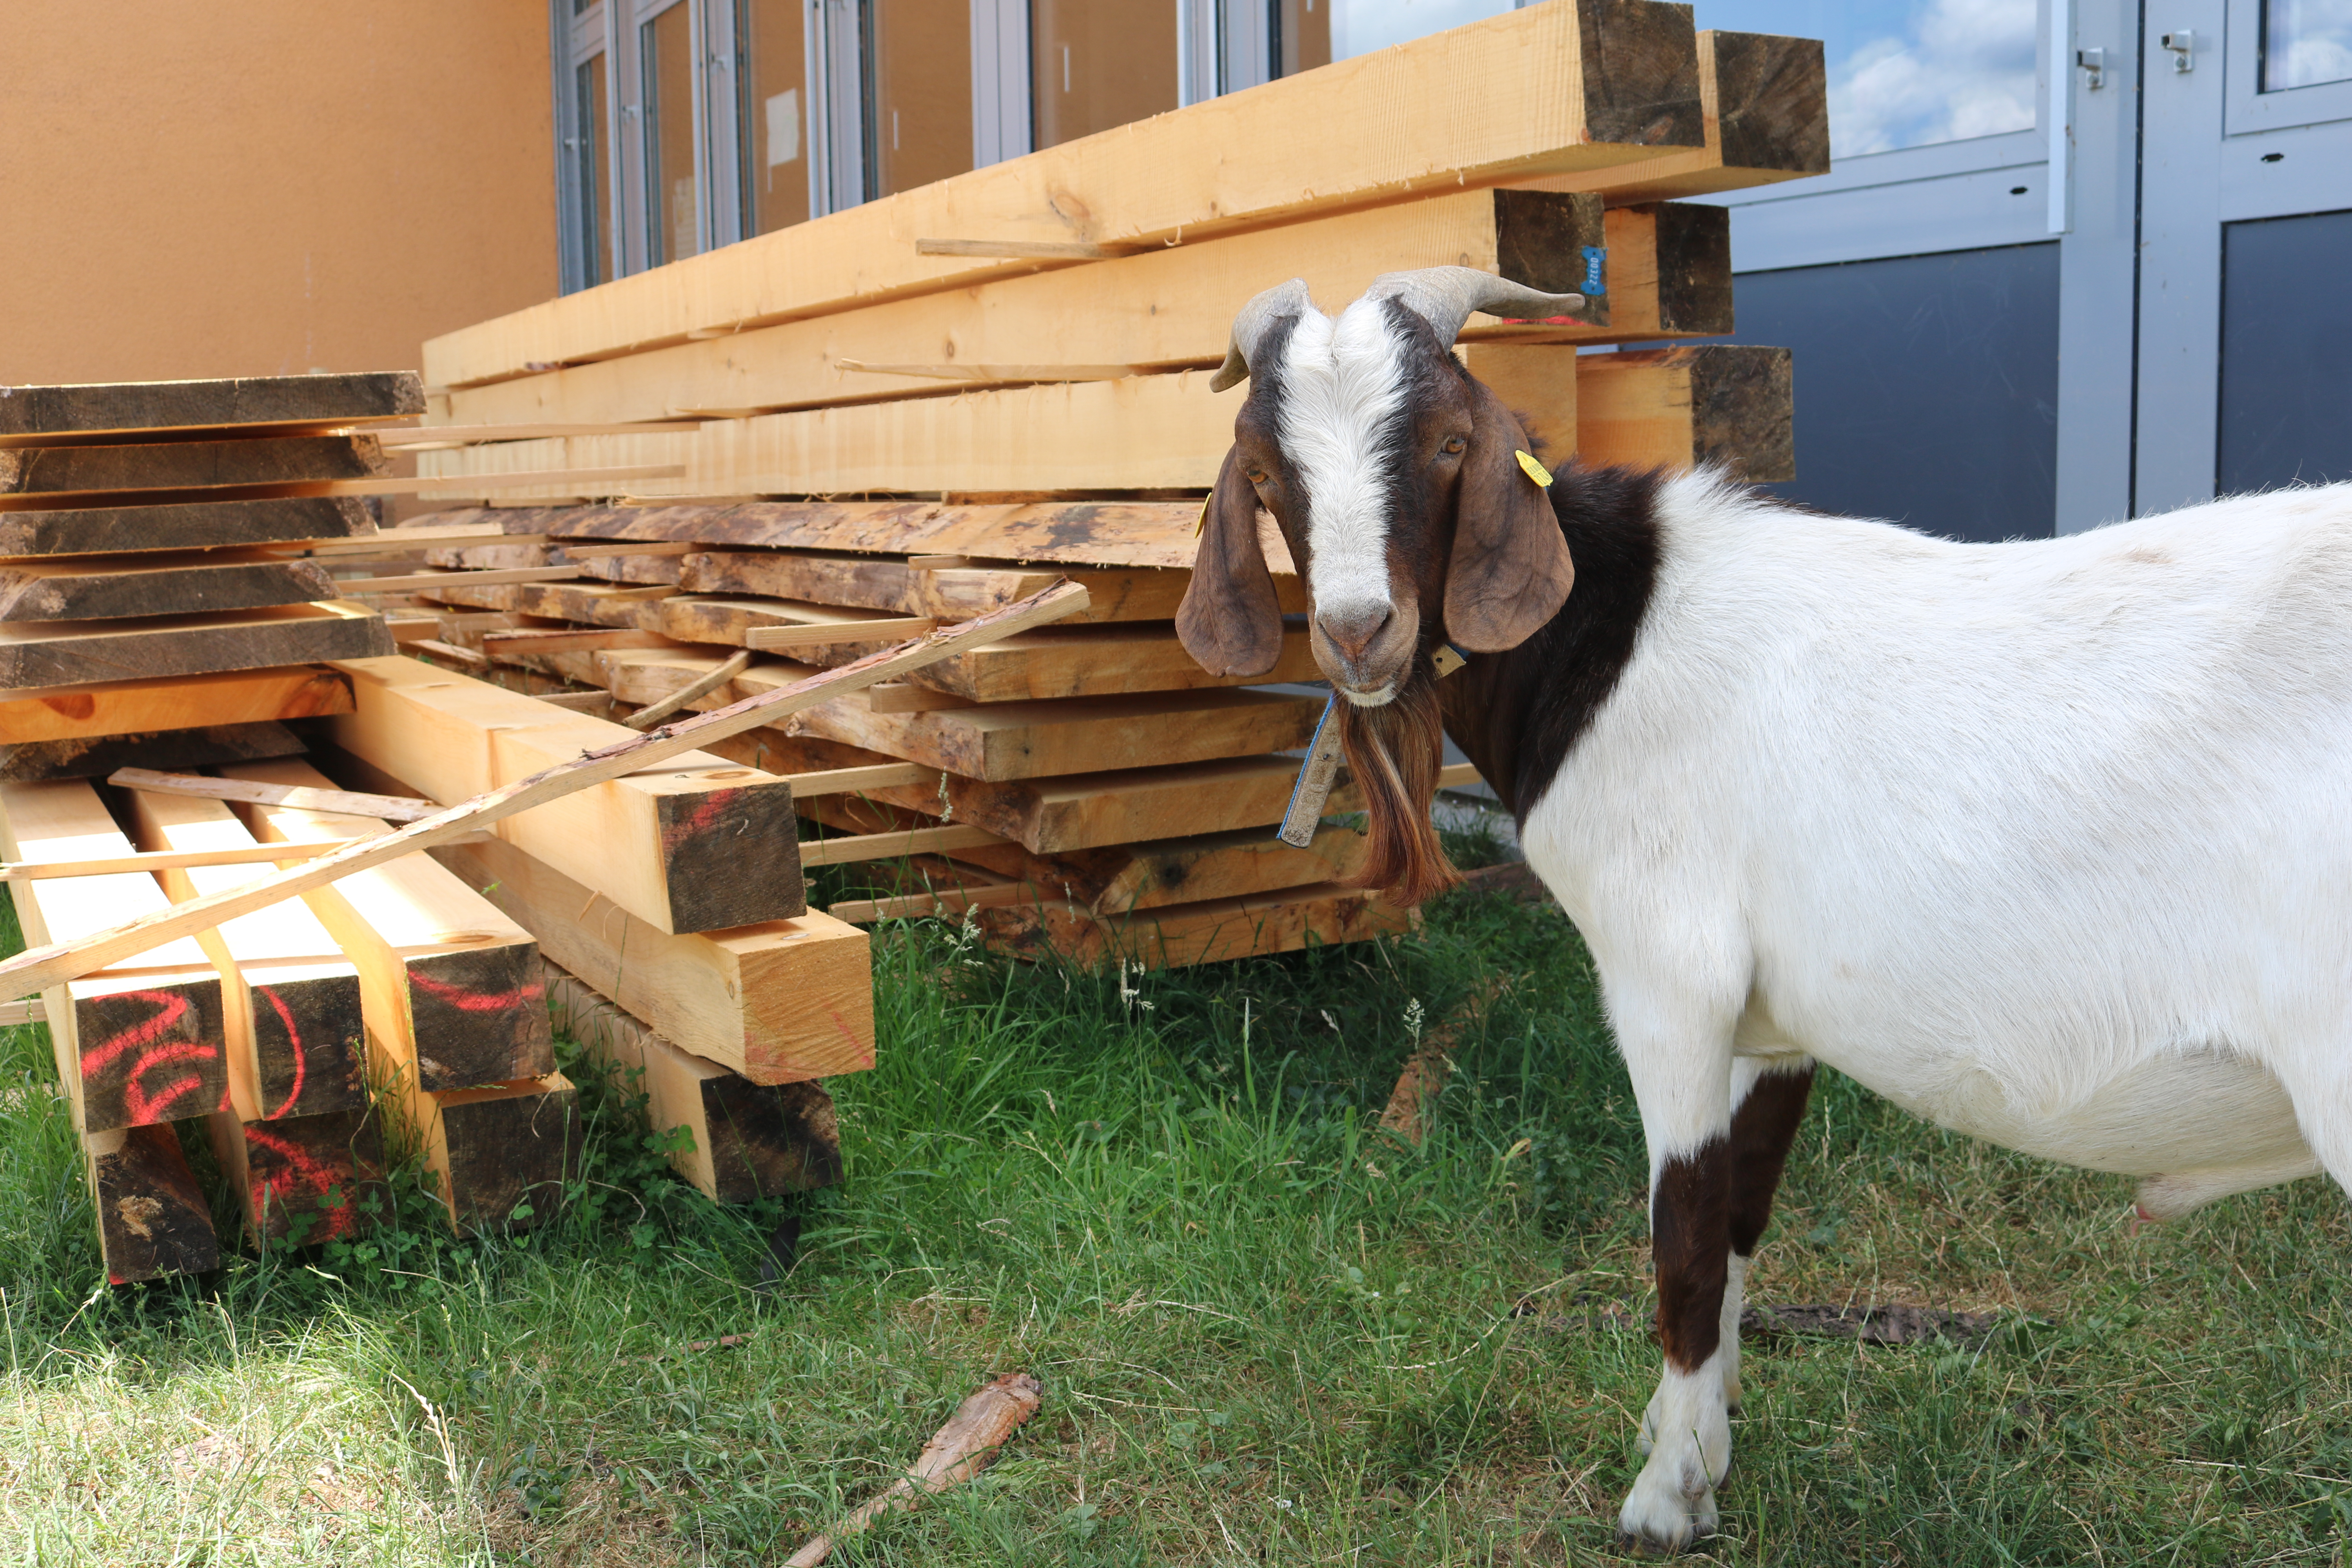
{"x":268,"y":187}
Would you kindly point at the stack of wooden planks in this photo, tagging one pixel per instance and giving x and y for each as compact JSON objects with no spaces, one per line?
{"x":172,"y":642}
{"x":938,"y":402}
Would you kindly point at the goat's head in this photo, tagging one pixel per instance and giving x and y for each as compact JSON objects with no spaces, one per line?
{"x":1395,"y":479}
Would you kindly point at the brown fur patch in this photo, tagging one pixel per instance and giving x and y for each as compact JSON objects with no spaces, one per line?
{"x":1394,"y":751}
{"x":1761,"y":1130}
{"x":1689,"y":1243}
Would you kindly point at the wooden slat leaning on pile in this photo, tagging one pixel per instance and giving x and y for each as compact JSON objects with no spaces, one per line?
{"x":1020,"y":412}
{"x":185,"y":531}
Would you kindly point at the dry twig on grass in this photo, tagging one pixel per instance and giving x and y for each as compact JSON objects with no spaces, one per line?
{"x":1431,"y":1063}
{"x":957,"y":1452}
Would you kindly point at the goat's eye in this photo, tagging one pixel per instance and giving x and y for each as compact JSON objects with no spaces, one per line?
{"x":1254,"y":476}
{"x":1453,"y":444}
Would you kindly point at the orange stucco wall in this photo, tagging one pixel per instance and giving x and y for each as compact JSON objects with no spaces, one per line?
{"x":268,"y":186}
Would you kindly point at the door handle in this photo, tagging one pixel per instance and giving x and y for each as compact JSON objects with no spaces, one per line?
{"x":2183,"y":45}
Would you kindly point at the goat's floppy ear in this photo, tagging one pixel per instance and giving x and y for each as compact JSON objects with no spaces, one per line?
{"x":1230,"y":621}
{"x":1510,"y":570}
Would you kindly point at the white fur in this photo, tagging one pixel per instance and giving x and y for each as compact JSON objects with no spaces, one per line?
{"x":1342,"y":382}
{"x":2049,"y":842}
{"x":1688,"y":1440}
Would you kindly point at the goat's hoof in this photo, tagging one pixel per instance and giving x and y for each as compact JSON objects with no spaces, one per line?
{"x":1665,"y":1526}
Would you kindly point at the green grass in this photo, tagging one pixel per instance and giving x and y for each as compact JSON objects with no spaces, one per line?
{"x":1266,"y":1334}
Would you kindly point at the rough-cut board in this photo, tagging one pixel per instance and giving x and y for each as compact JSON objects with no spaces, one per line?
{"x":1119,"y":533}
{"x":447,"y":984}
{"x":779,"y":1003}
{"x":152,"y":1218}
{"x":597,"y":604}
{"x":40,"y":654}
{"x":293,"y":1028}
{"x":133,"y":1050}
{"x":693,"y":844}
{"x":76,"y":588}
{"x":1079,"y":811}
{"x":1204,"y":932}
{"x":1550,"y":89}
{"x":302,"y":1180}
{"x":950,"y":593}
{"x":747,"y":1141}
{"x":183,"y":525}
{"x":94,"y":757}
{"x":1005,"y":740}
{"x":1166,"y":309}
{"x":1766,"y":118}
{"x":37,"y":416}
{"x":41,"y":471}
{"x":1715,"y":403}
{"x":130,"y":707}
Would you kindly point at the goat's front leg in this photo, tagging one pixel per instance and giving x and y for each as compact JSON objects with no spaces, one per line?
{"x":1685,"y":1092}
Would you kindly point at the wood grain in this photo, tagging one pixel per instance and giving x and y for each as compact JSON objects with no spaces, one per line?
{"x":38,"y":414}
{"x":41,"y":654}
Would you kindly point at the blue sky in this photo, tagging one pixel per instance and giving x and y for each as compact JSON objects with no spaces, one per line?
{"x":1902,"y":72}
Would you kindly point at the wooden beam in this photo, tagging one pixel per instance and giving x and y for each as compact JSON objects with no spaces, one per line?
{"x":91,"y":711}
{"x":1592,"y":85}
{"x":293,"y":1029}
{"x":696,"y":844}
{"x":38,"y":654}
{"x":1766,"y":119}
{"x":779,"y":1001}
{"x":475,"y":525}
{"x":946,"y":901}
{"x":77,"y":588}
{"x":1717,"y":403}
{"x":38,"y":969}
{"x":153,"y":1219}
{"x":745,"y":1140}
{"x":449,"y":986}
{"x":302,"y":1180}
{"x":387,"y":808}
{"x":185,"y":525}
{"x":129,"y":1049}
{"x":856,"y":781}
{"x":42,"y":415}
{"x":1165,"y":310}
{"x":576,"y":701}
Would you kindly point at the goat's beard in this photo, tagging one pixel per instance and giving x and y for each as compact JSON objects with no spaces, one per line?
{"x":1394,"y":751}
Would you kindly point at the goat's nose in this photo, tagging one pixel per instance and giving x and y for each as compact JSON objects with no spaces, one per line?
{"x":1352,"y":627}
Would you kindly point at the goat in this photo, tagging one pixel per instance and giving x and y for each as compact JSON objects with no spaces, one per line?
{"x":2044,"y":841}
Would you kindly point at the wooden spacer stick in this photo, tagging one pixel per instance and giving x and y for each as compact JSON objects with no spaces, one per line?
{"x":653,"y":713}
{"x":42,"y":967}
{"x":890,"y":846}
{"x":818,"y":634}
{"x":176,"y":860}
{"x":392,"y":807}
{"x":458,"y":576}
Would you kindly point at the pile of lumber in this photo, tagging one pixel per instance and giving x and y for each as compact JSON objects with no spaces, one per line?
{"x":909,"y":411}
{"x":1035,"y":408}
{"x":178,"y":540}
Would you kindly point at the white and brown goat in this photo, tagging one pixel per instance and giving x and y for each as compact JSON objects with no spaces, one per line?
{"x":2050,"y":842}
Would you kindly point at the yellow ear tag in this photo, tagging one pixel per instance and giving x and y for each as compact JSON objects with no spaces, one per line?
{"x":1201,"y":522}
{"x":1445,"y":658}
{"x":1535,"y":471}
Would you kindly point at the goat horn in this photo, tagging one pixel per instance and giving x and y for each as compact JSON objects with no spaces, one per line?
{"x":1282,"y":299}
{"x":1445,"y":297}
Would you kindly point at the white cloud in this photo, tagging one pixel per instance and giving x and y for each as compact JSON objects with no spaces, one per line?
{"x":1966,"y":69}
{"x":2309,"y":41}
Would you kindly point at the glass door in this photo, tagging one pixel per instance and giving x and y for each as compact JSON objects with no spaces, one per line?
{"x":2246,"y":228}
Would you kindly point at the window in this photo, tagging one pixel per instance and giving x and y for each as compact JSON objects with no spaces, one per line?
{"x":772,"y":133}
{"x":2305,"y":42}
{"x":1095,"y":64}
{"x":583,"y":177}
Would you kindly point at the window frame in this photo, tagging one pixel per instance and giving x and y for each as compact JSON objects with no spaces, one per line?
{"x":2247,"y":110}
